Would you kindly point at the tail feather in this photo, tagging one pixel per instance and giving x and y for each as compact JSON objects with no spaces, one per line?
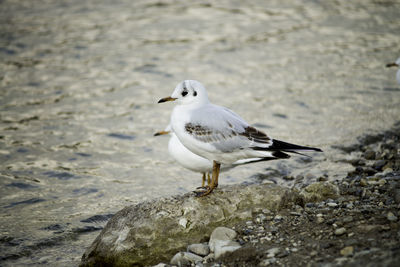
{"x":278,"y":145}
{"x":280,"y":149}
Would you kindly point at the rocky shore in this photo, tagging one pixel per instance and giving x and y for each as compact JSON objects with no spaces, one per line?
{"x":349,"y":222}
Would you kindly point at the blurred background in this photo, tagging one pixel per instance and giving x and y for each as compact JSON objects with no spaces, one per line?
{"x":79,"y":83}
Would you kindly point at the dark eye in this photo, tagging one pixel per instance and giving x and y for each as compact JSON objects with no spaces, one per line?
{"x":194,"y":93}
{"x":184,"y":93}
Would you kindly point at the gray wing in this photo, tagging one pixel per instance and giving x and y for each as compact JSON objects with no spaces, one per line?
{"x":225,"y":130}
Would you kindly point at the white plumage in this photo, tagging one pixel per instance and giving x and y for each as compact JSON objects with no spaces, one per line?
{"x":219,"y":134}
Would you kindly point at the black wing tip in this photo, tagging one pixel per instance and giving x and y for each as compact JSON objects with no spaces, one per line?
{"x":288,"y":147}
{"x":280,"y":155}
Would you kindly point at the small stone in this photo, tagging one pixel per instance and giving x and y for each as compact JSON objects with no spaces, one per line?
{"x":222,"y":233}
{"x":387,"y":169}
{"x":199,"y":249}
{"x":319,"y":191}
{"x":185,"y":258}
{"x":272,"y":252}
{"x":369,"y":171}
{"x":313,"y":253}
{"x":209,"y":258}
{"x":183,"y":222}
{"x":340,"y":231}
{"x":266,"y":211}
{"x":332,"y":204}
{"x":261,"y":218}
{"x":221,"y":241}
{"x":391,"y":217}
{"x":341,"y":261}
{"x":379,"y":164}
{"x":320,"y":220}
{"x":347,"y":251}
{"x":347,"y":219}
{"x":369,"y":155}
{"x":161,"y":265}
{"x":396,"y":196}
{"x":278,"y":218}
{"x":363,"y":182}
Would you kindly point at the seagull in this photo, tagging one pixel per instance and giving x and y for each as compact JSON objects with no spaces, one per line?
{"x":194,"y":162}
{"x":395,"y":64}
{"x":219,"y":134}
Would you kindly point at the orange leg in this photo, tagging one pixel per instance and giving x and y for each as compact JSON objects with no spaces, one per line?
{"x":214,"y":181}
{"x":204,"y":180}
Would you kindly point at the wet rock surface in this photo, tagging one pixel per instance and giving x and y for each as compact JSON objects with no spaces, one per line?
{"x":151,"y":232}
{"x":358,"y":225}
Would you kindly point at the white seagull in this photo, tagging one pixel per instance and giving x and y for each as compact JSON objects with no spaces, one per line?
{"x":395,"y":64}
{"x":194,"y":162}
{"x":218,"y":134}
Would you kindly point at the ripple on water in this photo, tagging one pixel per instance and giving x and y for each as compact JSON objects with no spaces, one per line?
{"x":61,"y":175}
{"x":21,"y":185}
{"x":28,"y":201}
{"x":121,"y":136}
{"x":85,"y":191}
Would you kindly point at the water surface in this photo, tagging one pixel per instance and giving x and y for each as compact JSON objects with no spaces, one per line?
{"x":80,"y":81}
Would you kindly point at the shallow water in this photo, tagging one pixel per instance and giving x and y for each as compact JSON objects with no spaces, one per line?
{"x":80,"y":81}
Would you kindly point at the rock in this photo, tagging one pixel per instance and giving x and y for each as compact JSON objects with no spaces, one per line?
{"x":340,"y":231}
{"x":221,"y":241}
{"x":379,"y":164}
{"x":332,"y":204}
{"x":347,"y":251}
{"x":149,"y":233}
{"x":391,"y":217}
{"x":396,"y":196}
{"x":319,"y":191}
{"x":369,"y":154}
{"x":369,"y":228}
{"x":199,"y":249}
{"x":183,"y":222}
{"x":185,"y":258}
{"x":210,"y":257}
{"x":272,"y":252}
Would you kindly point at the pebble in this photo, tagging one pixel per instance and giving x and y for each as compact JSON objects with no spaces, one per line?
{"x":379,"y":164}
{"x":347,"y":251}
{"x":185,"y":258}
{"x":369,"y":154}
{"x":391,"y":217}
{"x":261,"y":218}
{"x":183,"y":222}
{"x":221,"y":241}
{"x":332,"y":204}
{"x":278,"y":218}
{"x":272,"y":252}
{"x":340,"y":231}
{"x":199,"y":249}
{"x":396,"y":196}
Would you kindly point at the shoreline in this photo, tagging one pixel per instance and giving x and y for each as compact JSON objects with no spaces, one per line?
{"x":357,"y":224}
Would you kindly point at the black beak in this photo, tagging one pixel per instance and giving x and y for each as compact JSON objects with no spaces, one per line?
{"x":161,"y":133}
{"x":391,"y":65}
{"x":166,"y":99}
